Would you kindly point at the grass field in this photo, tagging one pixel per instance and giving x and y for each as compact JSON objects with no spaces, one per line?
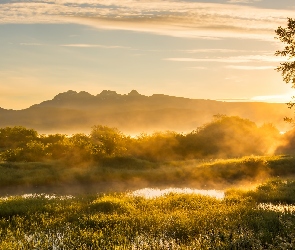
{"x":93,"y":209}
{"x":257,"y":219}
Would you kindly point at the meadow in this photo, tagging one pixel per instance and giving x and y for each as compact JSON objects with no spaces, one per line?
{"x":263,"y":218}
{"x":77,"y":192}
{"x":76,"y":213}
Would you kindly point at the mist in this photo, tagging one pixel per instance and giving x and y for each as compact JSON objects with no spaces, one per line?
{"x":229,"y":151}
{"x":133,"y":113}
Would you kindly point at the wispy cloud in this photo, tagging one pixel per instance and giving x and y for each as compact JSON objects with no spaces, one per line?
{"x":82,"y":45}
{"x":233,"y":100}
{"x":221,"y":60}
{"x":31,"y":44}
{"x":173,"y":18}
{"x":227,"y":51}
{"x":243,"y":1}
{"x":213,"y":51}
{"x":231,"y":59}
{"x":272,"y":98}
{"x":196,"y":68}
{"x":244,"y":67}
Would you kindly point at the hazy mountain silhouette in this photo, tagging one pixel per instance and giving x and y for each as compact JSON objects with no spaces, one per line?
{"x":73,"y":111}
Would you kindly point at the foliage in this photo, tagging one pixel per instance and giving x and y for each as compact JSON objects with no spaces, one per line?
{"x":14,"y":137}
{"x":159,"y":146}
{"x":229,"y":136}
{"x":287,"y":37}
{"x":287,"y":145}
{"x":124,"y":221}
{"x":107,"y":141}
{"x":223,"y":137}
{"x":287,"y":69}
{"x":275,"y":191}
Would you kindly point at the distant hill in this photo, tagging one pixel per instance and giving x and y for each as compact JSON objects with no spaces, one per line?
{"x":72,"y":112}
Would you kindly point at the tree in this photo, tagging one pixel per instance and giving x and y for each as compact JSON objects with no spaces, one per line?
{"x":156,"y":147}
{"x":107,"y":141}
{"x":287,"y":69}
{"x":14,"y":137}
{"x":227,"y":136}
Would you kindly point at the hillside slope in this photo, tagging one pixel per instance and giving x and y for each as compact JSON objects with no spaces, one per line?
{"x":72,"y":111}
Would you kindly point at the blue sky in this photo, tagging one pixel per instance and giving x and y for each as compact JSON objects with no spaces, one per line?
{"x":222,"y":50}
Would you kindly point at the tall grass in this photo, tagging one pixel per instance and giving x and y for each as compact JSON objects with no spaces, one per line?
{"x":123,"y":221}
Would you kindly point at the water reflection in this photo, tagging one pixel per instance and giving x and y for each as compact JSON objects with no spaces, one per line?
{"x":154,"y":192}
{"x":279,"y":208}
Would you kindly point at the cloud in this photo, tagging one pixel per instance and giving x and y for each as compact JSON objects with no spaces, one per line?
{"x":213,"y":51}
{"x":244,"y":67}
{"x":221,"y":60}
{"x":95,"y":46}
{"x":172,"y":18}
{"x":31,"y":44}
{"x":232,"y":59}
{"x":227,"y":51}
{"x":272,"y":98}
{"x":243,"y":1}
{"x":233,"y":100}
{"x":196,"y":68}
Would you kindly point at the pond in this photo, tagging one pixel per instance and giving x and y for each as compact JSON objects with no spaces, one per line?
{"x":156,"y":192}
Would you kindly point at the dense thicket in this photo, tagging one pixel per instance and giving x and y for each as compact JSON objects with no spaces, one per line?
{"x":224,"y":137}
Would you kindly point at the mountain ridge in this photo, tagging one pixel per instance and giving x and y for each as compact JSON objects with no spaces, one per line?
{"x":73,"y":111}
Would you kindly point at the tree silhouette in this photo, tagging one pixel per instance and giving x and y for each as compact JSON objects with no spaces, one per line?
{"x":287,"y":69}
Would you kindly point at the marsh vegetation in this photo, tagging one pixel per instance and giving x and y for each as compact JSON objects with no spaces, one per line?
{"x":259,"y":219}
{"x":228,"y":151}
{"x":84,"y":188}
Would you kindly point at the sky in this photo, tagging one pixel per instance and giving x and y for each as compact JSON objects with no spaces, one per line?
{"x":216,"y":49}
